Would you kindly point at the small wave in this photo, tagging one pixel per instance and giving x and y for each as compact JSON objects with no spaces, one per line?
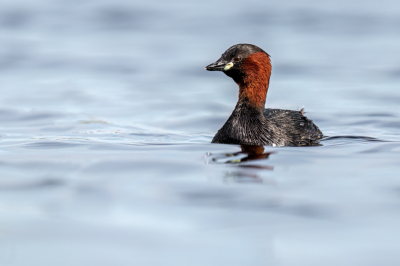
{"x":342,"y":140}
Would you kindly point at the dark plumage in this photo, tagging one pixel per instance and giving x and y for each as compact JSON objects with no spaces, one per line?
{"x":250,"y":123}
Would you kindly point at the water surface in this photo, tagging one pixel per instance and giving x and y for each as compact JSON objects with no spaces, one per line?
{"x":106,"y":119}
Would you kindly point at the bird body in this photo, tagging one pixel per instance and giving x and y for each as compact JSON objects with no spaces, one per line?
{"x":250,"y":123}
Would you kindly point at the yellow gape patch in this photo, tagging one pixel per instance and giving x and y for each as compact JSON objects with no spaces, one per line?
{"x":228,"y":66}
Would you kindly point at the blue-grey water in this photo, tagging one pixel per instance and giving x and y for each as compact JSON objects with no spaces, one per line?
{"x":106,"y":118}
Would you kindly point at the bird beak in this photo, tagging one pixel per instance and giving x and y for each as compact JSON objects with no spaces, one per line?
{"x":220,"y":65}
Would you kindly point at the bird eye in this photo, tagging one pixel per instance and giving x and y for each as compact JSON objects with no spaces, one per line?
{"x":237,"y":58}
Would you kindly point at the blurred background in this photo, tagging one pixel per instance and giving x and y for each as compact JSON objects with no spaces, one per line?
{"x":107,"y":114}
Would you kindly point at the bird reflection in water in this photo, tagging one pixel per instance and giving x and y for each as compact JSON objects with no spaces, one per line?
{"x":248,"y":172}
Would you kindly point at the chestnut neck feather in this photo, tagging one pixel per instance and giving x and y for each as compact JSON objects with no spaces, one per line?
{"x":253,"y":86}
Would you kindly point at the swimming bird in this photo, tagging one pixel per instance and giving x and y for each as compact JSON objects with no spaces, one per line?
{"x":250,"y":123}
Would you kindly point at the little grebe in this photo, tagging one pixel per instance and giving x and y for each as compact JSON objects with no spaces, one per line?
{"x":250,"y":123}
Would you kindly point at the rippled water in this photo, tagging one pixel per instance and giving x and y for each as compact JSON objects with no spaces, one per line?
{"x":106,"y":118}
